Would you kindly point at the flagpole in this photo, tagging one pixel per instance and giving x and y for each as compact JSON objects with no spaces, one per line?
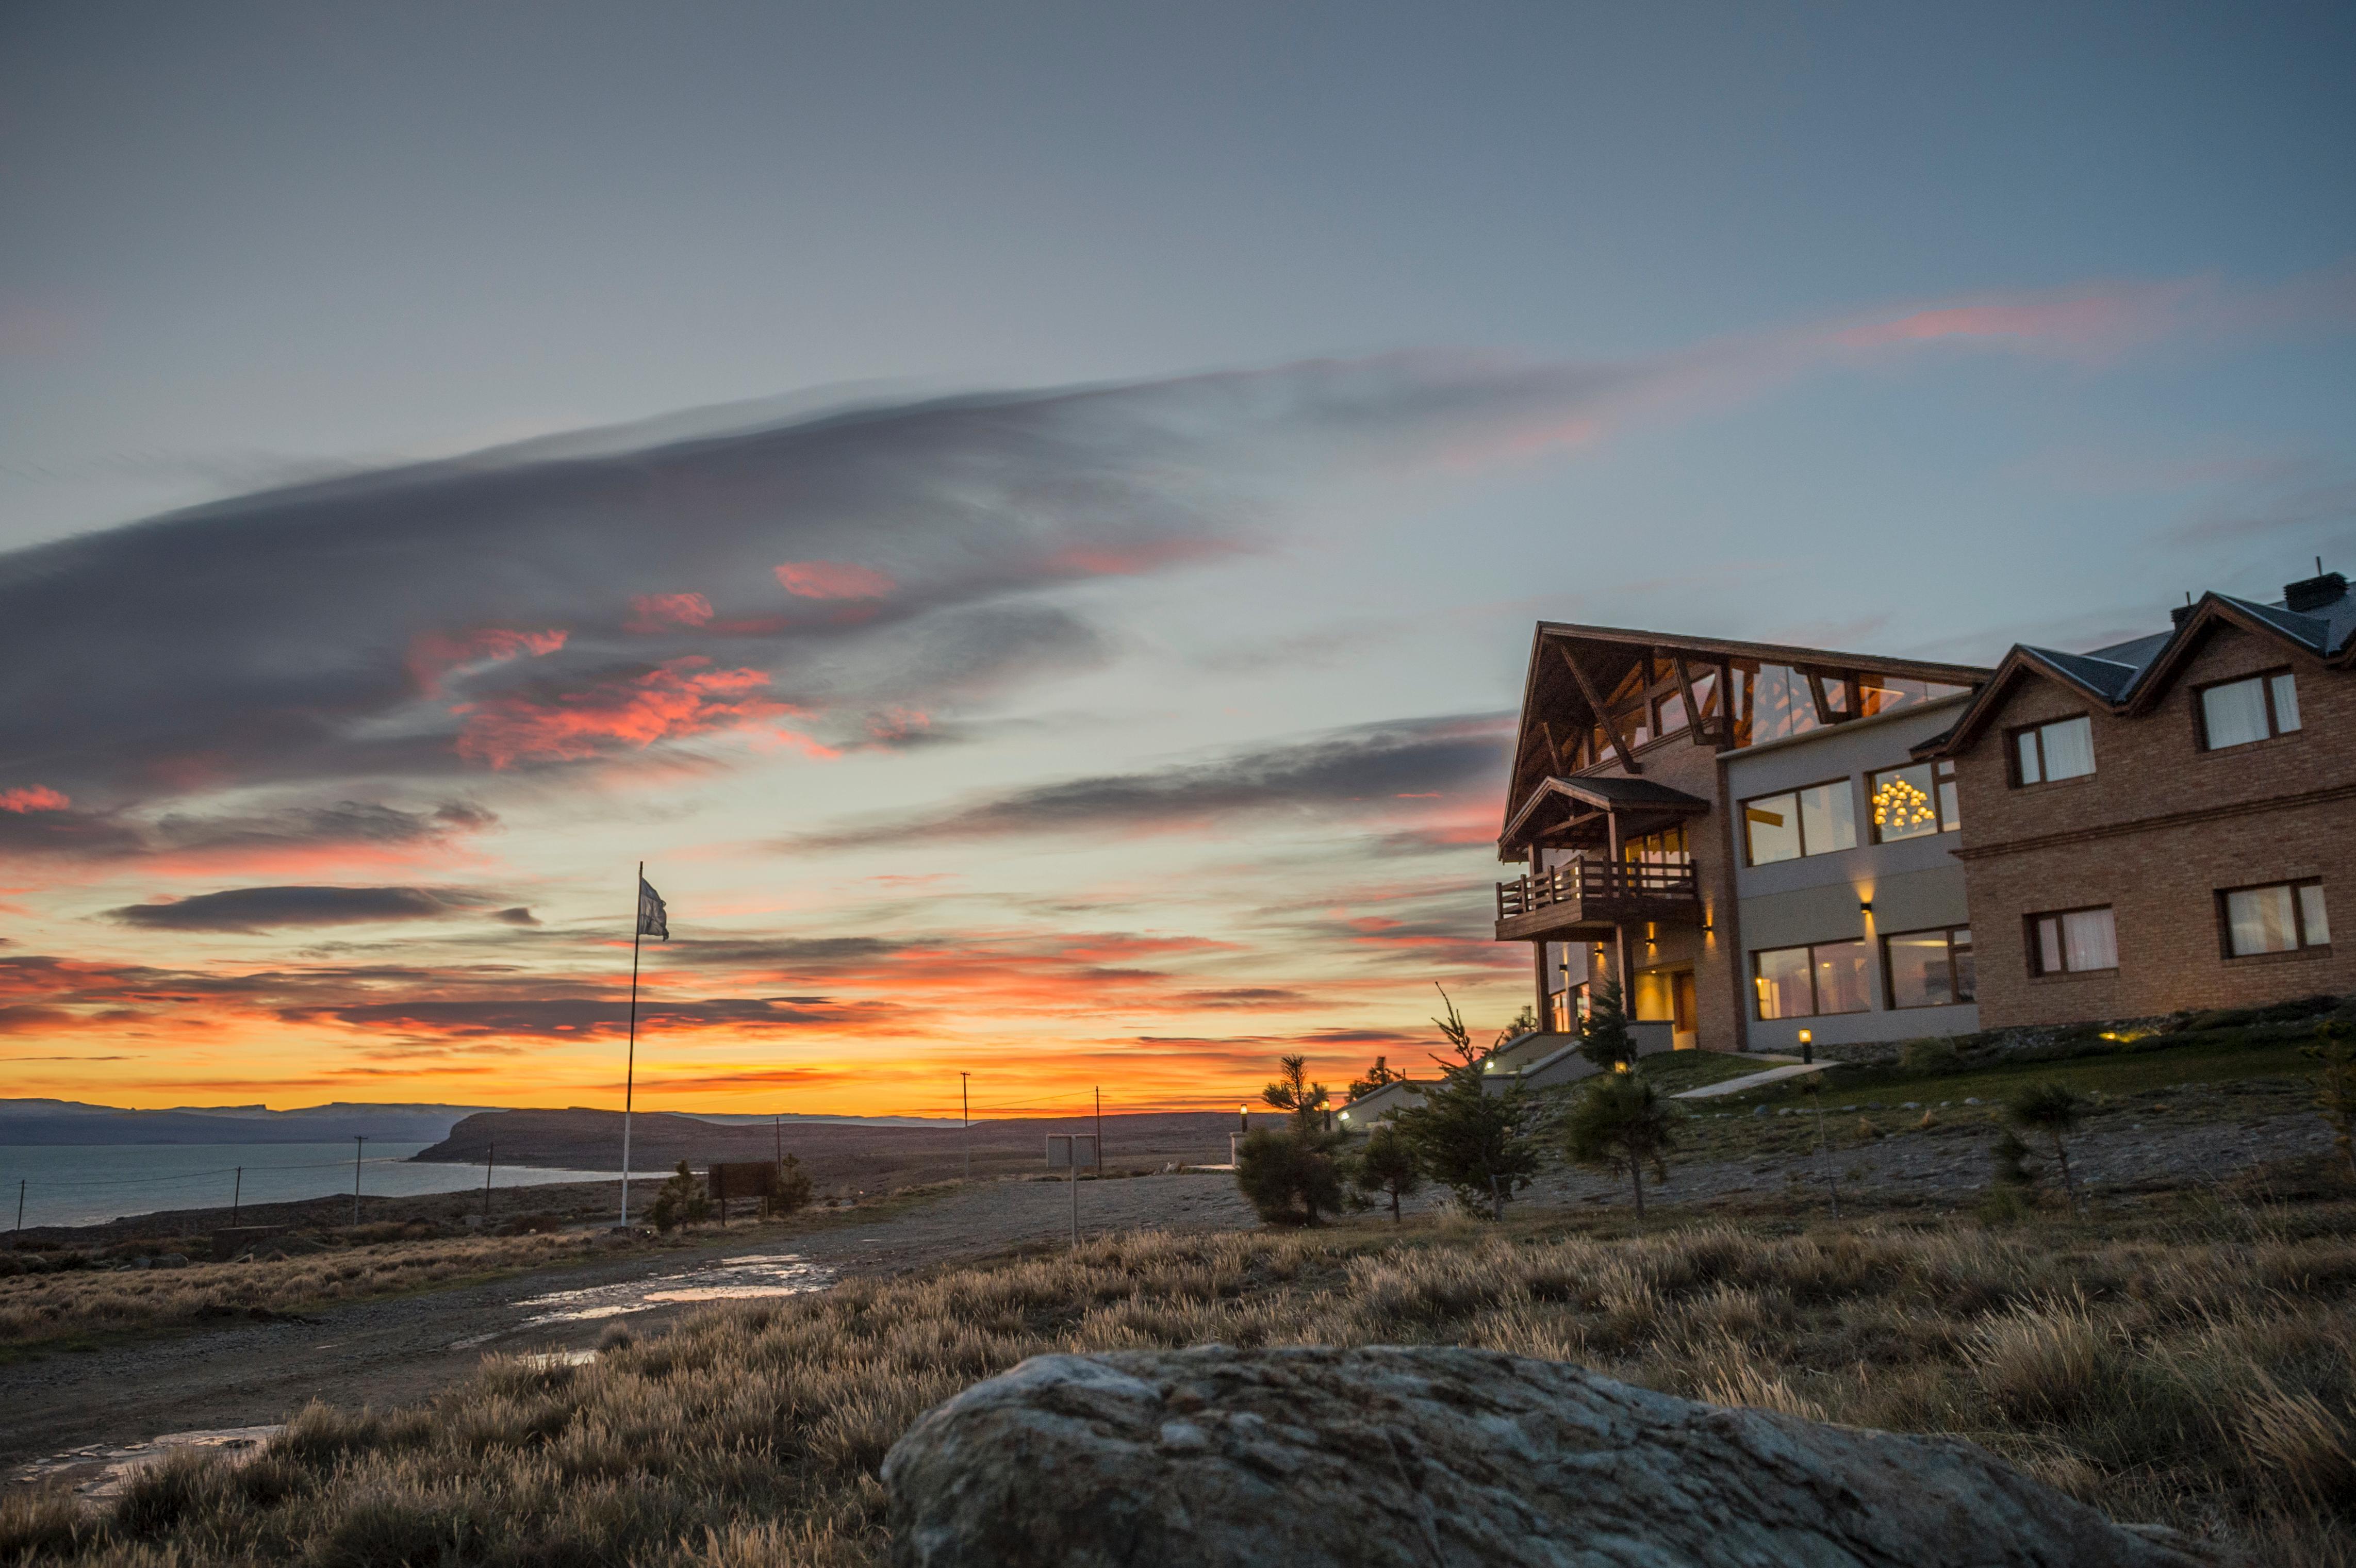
{"x":630,"y":1073}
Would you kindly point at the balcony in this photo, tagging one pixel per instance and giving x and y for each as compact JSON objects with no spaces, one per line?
{"x":1587,"y":899}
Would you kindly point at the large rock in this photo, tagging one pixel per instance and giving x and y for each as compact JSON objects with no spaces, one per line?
{"x":1439,"y":1457}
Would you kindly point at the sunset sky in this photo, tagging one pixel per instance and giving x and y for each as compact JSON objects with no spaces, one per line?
{"x":1029,"y":518}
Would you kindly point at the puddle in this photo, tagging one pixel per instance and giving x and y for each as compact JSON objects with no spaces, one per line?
{"x":97,"y":1473}
{"x":731,"y":1279}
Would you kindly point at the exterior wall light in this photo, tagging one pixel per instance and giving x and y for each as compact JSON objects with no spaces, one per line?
{"x":1865,"y":906}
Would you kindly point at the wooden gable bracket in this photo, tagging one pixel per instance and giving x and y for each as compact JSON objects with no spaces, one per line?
{"x":1553,"y":750}
{"x":1599,"y":708}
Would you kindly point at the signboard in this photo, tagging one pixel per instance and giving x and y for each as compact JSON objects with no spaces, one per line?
{"x":743,"y":1179}
{"x":1061,"y":1147}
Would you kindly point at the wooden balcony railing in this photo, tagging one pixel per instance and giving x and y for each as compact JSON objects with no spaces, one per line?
{"x":1599,"y":883}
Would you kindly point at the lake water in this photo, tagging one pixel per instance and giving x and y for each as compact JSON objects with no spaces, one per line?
{"x":89,"y":1184}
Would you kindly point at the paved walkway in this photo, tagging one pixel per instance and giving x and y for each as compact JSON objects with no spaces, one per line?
{"x":1737,"y":1085}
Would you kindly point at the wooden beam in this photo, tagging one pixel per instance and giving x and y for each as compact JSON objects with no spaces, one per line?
{"x":1694,"y":721}
{"x":1725,"y":705}
{"x":1824,"y":714}
{"x":1853,"y":694}
{"x":1553,"y":750}
{"x":1596,"y":705}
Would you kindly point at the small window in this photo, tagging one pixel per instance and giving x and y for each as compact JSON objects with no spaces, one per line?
{"x":2283,"y":918}
{"x":2049,"y":753}
{"x":1813,"y":821}
{"x":1914,"y":803}
{"x":1805,"y":982}
{"x":2239,"y":712}
{"x":1931,"y":968}
{"x":2072,"y":942}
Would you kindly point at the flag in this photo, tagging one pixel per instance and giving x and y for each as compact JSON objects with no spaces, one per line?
{"x":651,"y":919}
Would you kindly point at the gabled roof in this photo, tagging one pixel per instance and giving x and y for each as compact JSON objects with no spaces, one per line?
{"x":1606,"y":645}
{"x":2132,"y":677}
{"x":1613,"y":795}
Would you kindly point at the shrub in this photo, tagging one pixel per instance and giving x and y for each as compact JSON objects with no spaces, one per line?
{"x":681,"y":1201}
{"x":1288,"y":1178}
{"x":2052,"y":1109}
{"x":792,"y":1193}
{"x":1603,"y":1033}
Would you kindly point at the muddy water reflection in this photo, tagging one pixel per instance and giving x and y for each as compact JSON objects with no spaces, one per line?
{"x":730,"y":1279}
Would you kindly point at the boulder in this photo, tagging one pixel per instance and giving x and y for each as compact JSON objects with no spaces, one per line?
{"x":1436,"y":1457}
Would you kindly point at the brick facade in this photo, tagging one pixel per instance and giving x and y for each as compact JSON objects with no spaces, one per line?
{"x":2156,"y":833}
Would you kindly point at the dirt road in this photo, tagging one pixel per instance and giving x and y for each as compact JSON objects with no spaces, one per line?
{"x":401,"y":1349}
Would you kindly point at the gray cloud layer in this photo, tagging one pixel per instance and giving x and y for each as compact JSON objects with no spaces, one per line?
{"x":254,"y":910}
{"x":1370,"y":767}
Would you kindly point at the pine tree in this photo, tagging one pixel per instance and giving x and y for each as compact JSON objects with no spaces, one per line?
{"x":1386,"y":1167}
{"x":1294,"y":1092}
{"x":1603,"y":1035}
{"x":793,"y":1191}
{"x":2052,"y":1109}
{"x":1623,"y":1122}
{"x":1290,"y":1176}
{"x":681,"y":1201}
{"x":1475,"y":1144}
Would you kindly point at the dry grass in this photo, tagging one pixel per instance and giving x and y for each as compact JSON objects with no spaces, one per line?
{"x":2200,"y":1374}
{"x":42,"y":1308}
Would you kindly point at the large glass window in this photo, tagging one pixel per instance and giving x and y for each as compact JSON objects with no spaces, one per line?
{"x":1931,"y":968}
{"x":2278,"y":919}
{"x":1914,"y":803}
{"x":2242,"y":711}
{"x":1813,"y":821}
{"x":2050,"y":753}
{"x":2072,"y":942}
{"x":1665,"y":847}
{"x":1803,"y":982}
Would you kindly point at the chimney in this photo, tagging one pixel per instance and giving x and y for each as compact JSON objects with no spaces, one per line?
{"x":2314,"y":592}
{"x":2176,"y":615}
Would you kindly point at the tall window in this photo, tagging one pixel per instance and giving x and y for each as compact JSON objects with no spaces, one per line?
{"x":1665,"y":848}
{"x":2283,"y":918}
{"x":1929,"y":968}
{"x":1803,"y":982}
{"x":1813,"y":821}
{"x":2072,"y":942}
{"x":1914,"y":803}
{"x":2050,"y":753}
{"x":2241,"y":711}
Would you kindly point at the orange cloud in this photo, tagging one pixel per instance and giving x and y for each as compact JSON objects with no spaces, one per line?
{"x":682,"y":696}
{"x":833,"y":580}
{"x":33,"y":797}
{"x":651,"y":612}
{"x":433,"y":654}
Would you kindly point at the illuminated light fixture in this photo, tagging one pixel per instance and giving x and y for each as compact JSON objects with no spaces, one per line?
{"x":1807,"y":1037}
{"x":1345,"y":1115}
{"x":1865,"y":906}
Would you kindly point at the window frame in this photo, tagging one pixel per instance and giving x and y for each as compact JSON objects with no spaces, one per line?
{"x":1889,"y":976}
{"x":2265,"y":679}
{"x":1815,"y":1008}
{"x":1942,"y":772}
{"x":1795,"y":791}
{"x":2036,"y":970}
{"x":2044,"y":769}
{"x":2297,"y":917}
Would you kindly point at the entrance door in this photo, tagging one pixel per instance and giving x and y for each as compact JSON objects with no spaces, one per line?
{"x":1683,"y":1017}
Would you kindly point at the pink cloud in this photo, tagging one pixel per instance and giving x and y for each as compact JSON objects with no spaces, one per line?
{"x":32,"y":797}
{"x":651,"y":612}
{"x":833,"y":580}
{"x":433,"y":654}
{"x":683,"y":697}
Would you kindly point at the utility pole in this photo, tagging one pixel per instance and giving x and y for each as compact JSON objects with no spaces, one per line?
{"x":235,"y":1192}
{"x":359,"y":1142}
{"x":20,"y":1205}
{"x":490,"y":1158}
{"x":630,"y":1069}
{"x":1074,"y":1185}
{"x":965,"y":1109}
{"x":1099,"y":1132}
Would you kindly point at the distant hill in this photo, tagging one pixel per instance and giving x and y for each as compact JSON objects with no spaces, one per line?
{"x":869,"y":1156}
{"x":53,"y":1122}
